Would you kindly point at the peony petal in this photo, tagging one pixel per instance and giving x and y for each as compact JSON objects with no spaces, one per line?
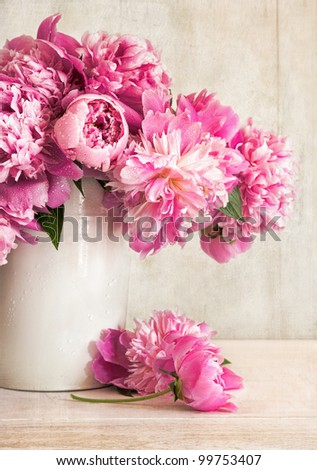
{"x":155,"y":101}
{"x":156,"y":124}
{"x":67,"y":131}
{"x":108,"y":373}
{"x":232,"y":381}
{"x":112,"y":349}
{"x":59,"y":191}
{"x":47,"y":29}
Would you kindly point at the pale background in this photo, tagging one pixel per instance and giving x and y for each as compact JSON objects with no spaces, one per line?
{"x":260,"y":56}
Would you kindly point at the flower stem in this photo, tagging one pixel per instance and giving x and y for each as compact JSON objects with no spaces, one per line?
{"x":122,"y":400}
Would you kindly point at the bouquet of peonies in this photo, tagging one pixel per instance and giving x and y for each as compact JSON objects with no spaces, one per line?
{"x":103,"y":108}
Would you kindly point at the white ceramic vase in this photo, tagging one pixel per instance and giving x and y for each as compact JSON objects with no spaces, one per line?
{"x":54,"y":304}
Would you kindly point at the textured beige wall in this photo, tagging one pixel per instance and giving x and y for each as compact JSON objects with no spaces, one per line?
{"x":261,"y":57}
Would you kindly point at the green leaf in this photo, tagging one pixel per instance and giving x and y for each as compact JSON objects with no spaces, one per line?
{"x":78,"y":164}
{"x":52,"y":223}
{"x":234,"y":207}
{"x":104,"y":184}
{"x":79,"y":186}
{"x":225,"y":362}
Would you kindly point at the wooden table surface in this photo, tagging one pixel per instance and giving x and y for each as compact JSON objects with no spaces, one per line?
{"x":277,"y":410}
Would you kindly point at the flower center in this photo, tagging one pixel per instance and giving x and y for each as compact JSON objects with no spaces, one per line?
{"x":103,"y":125}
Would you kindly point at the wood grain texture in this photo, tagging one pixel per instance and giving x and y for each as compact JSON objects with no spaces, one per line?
{"x":261,"y":57}
{"x":277,"y":410}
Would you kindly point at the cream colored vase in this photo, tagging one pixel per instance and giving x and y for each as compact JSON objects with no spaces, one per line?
{"x":54,"y":304}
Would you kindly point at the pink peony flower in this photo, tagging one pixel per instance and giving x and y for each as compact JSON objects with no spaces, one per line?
{"x":216,"y":119}
{"x":7,"y":239}
{"x":202,"y":380}
{"x":123,"y":66}
{"x":267,"y":188}
{"x":44,"y":66}
{"x":152,"y":345}
{"x":167,"y":353}
{"x":268,"y":183}
{"x":24,"y":118}
{"x":93,"y":131}
{"x":168,"y":177}
{"x":133,"y":359}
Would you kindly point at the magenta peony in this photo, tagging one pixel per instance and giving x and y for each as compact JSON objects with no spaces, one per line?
{"x":168,"y":348}
{"x":111,"y":364}
{"x":93,"y":131}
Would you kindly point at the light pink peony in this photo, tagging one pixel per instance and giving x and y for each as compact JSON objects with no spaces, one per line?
{"x":216,"y":119}
{"x":44,"y":66}
{"x":123,"y":66}
{"x":168,"y":177}
{"x":93,"y":131}
{"x":203,"y":381}
{"x":152,"y":345}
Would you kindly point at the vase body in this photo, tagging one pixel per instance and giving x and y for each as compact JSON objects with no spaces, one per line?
{"x":54,"y":304}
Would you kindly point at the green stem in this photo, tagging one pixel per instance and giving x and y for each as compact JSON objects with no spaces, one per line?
{"x":122,"y":400}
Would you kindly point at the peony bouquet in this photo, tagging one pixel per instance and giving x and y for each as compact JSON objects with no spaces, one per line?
{"x":103,"y":108}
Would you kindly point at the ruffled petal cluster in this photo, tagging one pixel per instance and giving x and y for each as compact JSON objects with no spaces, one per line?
{"x":172,"y":173}
{"x":43,"y":66}
{"x":24,"y":117}
{"x":123,"y":66}
{"x":267,"y":188}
